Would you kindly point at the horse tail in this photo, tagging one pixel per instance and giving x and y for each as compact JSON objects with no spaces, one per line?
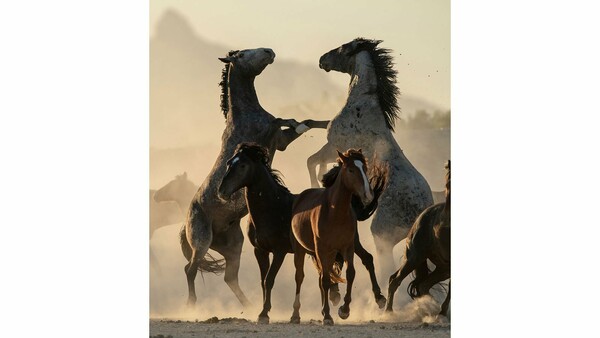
{"x":208,"y":262}
{"x":378,"y":181}
{"x":420,"y":274}
{"x":335,"y":276}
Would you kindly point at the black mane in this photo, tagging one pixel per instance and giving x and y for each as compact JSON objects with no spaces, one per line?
{"x":260,"y":154}
{"x":387,"y":90}
{"x":225,"y":85}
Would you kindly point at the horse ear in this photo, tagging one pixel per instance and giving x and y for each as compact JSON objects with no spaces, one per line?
{"x":360,"y":150}
{"x":226,"y":59}
{"x":342,"y":157}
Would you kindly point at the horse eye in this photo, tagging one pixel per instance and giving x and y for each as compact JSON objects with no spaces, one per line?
{"x":241,"y":55}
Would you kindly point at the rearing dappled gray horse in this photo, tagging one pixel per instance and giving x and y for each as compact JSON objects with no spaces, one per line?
{"x":214,"y":223}
{"x":367,"y":121}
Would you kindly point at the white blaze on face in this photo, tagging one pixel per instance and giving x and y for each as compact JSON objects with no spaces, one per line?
{"x":359,"y":164}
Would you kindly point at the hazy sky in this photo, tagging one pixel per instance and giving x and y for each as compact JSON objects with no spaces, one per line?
{"x":419,"y":30}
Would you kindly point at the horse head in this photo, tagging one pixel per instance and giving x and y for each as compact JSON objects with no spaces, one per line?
{"x":178,"y":188}
{"x":354,"y":177}
{"x":241,"y":168}
{"x":342,"y":58}
{"x":250,"y":62}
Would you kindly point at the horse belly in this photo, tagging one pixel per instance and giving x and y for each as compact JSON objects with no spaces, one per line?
{"x":301,"y":228}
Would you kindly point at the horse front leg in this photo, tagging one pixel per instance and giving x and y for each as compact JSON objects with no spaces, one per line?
{"x":325,"y":259}
{"x":299,"y":265}
{"x":344,"y":310}
{"x":325,"y":155}
{"x":262,"y":258}
{"x":295,"y":129}
{"x":278,"y":258}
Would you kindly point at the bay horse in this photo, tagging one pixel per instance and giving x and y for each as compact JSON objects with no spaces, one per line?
{"x":211,"y":222}
{"x":324,"y":225}
{"x":428,"y":238}
{"x":270,"y":208}
{"x":367,"y":121}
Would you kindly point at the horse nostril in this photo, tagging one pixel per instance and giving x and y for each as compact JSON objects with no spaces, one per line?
{"x":268,"y":51}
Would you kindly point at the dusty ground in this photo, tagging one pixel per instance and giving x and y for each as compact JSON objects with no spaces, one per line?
{"x":239,"y":328}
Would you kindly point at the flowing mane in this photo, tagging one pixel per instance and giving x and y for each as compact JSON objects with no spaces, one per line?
{"x":224,"y":84}
{"x":260,"y":154}
{"x":387,"y":90}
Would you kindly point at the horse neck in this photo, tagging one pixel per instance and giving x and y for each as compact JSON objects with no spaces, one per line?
{"x":339,"y":196}
{"x":242,"y":95}
{"x":363,"y":80}
{"x":262,"y":186}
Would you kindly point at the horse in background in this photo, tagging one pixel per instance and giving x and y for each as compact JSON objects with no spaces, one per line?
{"x":213,"y":223}
{"x":428,"y":238}
{"x":324,"y":225}
{"x":163,"y":213}
{"x":367,"y":121}
{"x":270,"y":208}
{"x":180,"y":190}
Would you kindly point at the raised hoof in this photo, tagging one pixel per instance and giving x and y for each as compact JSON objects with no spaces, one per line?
{"x":334,"y":297}
{"x":263,"y":320}
{"x":381,"y":301}
{"x":343,"y":314}
{"x":295,"y":320}
{"x":327,"y":321}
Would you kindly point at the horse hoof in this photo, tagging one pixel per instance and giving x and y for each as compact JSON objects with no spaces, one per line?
{"x":295,"y":320}
{"x":191,"y":302}
{"x":327,"y":321}
{"x":381,"y":301}
{"x":343,"y":314}
{"x":263,"y":320}
{"x":334,"y":297}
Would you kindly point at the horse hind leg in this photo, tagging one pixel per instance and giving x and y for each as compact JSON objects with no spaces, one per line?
{"x":321,"y":158}
{"x":229,"y":244}
{"x":194,"y":256}
{"x":191,"y":270}
{"x":367,"y":260}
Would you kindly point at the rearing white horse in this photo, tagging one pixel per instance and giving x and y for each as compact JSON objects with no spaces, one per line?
{"x":367,"y":121}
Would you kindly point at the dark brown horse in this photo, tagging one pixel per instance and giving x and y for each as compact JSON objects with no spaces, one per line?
{"x":324,"y":225}
{"x":270,"y":208}
{"x":428,"y":238}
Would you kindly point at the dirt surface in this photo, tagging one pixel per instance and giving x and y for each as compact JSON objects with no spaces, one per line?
{"x":239,"y":328}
